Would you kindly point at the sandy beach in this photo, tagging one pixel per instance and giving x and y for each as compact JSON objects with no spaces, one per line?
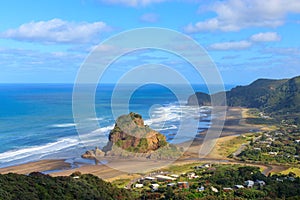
{"x":38,"y":166}
{"x":234,"y":126}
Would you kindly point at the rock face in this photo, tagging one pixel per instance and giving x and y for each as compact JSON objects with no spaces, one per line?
{"x":130,"y":137}
{"x":131,"y":134}
{"x":91,"y":154}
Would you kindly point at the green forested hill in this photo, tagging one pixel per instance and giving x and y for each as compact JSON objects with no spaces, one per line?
{"x":280,"y":96}
{"x":269,"y":95}
{"x":39,"y":186}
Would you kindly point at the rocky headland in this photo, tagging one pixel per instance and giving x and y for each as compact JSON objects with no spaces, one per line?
{"x":130,"y":138}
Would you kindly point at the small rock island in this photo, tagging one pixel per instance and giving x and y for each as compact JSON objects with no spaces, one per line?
{"x":130,"y":137}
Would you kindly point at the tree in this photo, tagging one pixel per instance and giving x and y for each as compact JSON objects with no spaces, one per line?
{"x":169,"y":193}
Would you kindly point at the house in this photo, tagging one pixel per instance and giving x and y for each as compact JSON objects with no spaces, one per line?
{"x":200,"y":189}
{"x":291,"y":178}
{"x":279,"y":180}
{"x":273,"y":153}
{"x":174,"y":176}
{"x":192,"y":175}
{"x":154,"y":186}
{"x":183,"y":185}
{"x":202,"y":166}
{"x":260,"y":183}
{"x":238,"y":187}
{"x":163,"y":178}
{"x":214,"y":189}
{"x":205,"y":166}
{"x":249,"y":183}
{"x":297,"y":141}
{"x":171,"y":184}
{"x":257,"y":149}
{"x":149,"y":178}
{"x":139,"y":185}
{"x":265,"y":142}
{"x":76,"y":177}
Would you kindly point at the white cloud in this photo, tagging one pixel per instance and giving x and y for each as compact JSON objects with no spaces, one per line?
{"x":211,"y":24}
{"x":231,"y":45}
{"x":133,"y":3}
{"x":149,"y":17}
{"x":265,"y":37}
{"x":57,"y":31}
{"x":234,"y":15}
{"x":284,"y":51}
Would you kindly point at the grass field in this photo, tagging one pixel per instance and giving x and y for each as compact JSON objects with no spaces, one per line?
{"x":231,"y":146}
{"x":292,"y":169}
{"x":182,"y":168}
{"x":120,"y":183}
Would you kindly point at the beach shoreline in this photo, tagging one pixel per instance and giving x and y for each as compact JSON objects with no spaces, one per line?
{"x":37,"y":166}
{"x":119,"y":168}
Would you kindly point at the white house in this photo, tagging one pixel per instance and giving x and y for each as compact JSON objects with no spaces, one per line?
{"x":174,"y":176}
{"x":154,"y":186}
{"x":273,"y":153}
{"x":201,"y":189}
{"x":227,"y":189}
{"x":138,"y":185}
{"x":214,"y":189}
{"x":192,"y":175}
{"x":149,"y":178}
{"x":171,"y":184}
{"x":164,"y":178}
{"x":249,"y":183}
{"x":239,"y":186}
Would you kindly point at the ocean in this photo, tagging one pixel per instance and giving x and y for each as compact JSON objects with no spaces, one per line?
{"x":36,"y":120}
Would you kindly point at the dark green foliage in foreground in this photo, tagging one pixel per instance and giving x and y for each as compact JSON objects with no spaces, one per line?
{"x":39,"y":186}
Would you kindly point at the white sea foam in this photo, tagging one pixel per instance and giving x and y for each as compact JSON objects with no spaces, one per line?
{"x":97,"y":132}
{"x":170,"y":114}
{"x":96,"y":119}
{"x":172,"y":127}
{"x":38,"y":150}
{"x":66,"y":125}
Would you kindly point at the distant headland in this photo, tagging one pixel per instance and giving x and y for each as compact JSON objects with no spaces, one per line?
{"x":276,"y":97}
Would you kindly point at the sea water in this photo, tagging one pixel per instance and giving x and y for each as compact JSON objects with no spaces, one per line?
{"x":36,"y":120}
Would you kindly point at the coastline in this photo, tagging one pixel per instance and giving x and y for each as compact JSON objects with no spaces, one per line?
{"x":37,"y":166}
{"x":235,"y":125}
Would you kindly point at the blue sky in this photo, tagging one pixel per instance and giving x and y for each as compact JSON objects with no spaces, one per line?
{"x":47,"y":41}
